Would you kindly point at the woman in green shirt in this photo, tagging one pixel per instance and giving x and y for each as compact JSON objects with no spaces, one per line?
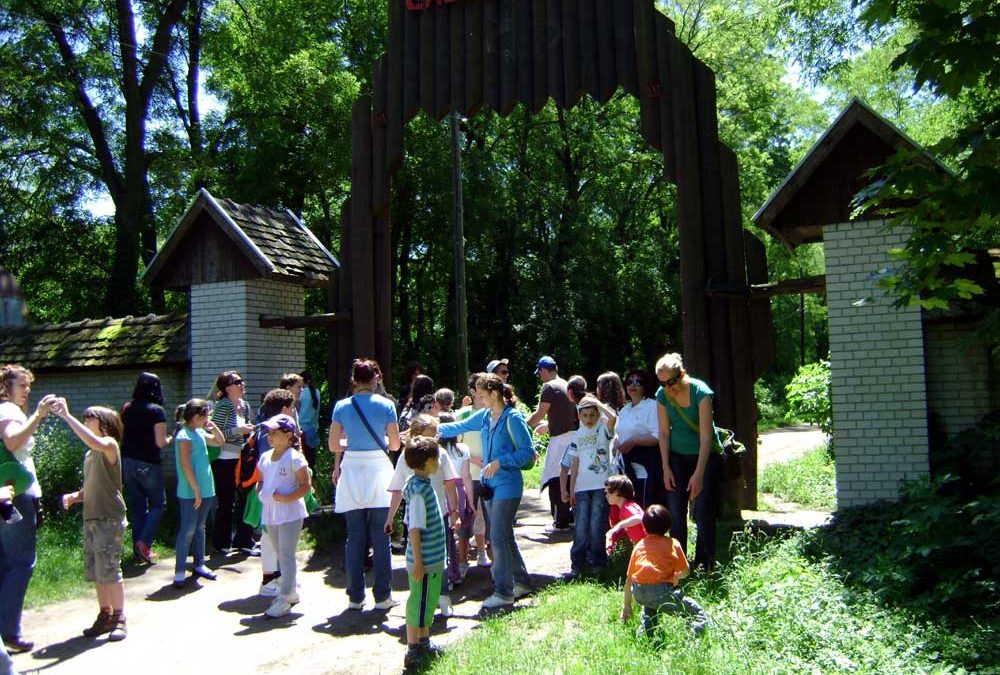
{"x":691,"y":465}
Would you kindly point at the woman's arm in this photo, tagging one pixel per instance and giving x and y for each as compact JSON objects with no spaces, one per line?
{"x":392,"y":431}
{"x":705,"y":433}
{"x":663,"y":420}
{"x":473,"y":422}
{"x":611,"y":415}
{"x":184,"y":455}
{"x":160,"y":434}
{"x":15,"y":434}
{"x":394,"y":502}
{"x":216,"y":439}
{"x":333,"y":443}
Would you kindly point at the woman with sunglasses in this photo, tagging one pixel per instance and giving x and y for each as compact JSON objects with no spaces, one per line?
{"x":637,"y":439}
{"x":691,"y":467}
{"x":231,"y":414}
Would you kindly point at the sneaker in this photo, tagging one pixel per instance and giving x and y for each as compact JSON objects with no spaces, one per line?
{"x":483,"y":560}
{"x":17,"y":645}
{"x":118,"y":628}
{"x":432,"y":651}
{"x":204,"y":573}
{"x":271,"y":589}
{"x":495,"y":601}
{"x":388,"y":603}
{"x":251,"y":551}
{"x":179,"y":580}
{"x":280,"y":607}
{"x":414,"y":658}
{"x":102,"y":625}
{"x":444,"y":604}
{"x":145,"y":553}
{"x":357,"y":606}
{"x":520,"y":590}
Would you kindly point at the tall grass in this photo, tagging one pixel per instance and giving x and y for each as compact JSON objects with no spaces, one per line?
{"x":809,"y":480}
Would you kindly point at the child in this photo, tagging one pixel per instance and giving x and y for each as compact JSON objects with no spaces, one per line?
{"x":588,"y":454}
{"x":443,"y":480}
{"x":195,"y":486}
{"x":625,"y":515}
{"x":445,"y":399}
{"x":9,"y":515}
{"x":656,"y":565}
{"x":103,"y":514}
{"x":458,"y":542}
{"x":283,"y":485}
{"x":425,"y":549}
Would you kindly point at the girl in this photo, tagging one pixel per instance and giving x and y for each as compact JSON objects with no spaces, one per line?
{"x":284,"y":483}
{"x":195,"y":486}
{"x":458,"y":552}
{"x":103,"y":514}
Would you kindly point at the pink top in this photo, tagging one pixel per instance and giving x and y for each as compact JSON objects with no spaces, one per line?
{"x":624,"y":512}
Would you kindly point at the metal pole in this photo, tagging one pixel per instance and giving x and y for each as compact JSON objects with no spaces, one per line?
{"x":462,"y":332}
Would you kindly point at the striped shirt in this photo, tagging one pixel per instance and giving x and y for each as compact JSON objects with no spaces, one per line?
{"x":424,"y":513}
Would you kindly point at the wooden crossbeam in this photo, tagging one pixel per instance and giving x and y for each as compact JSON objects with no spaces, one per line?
{"x":814,"y":284}
{"x":313,"y":321}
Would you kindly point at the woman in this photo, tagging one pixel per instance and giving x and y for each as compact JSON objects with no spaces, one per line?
{"x":309,"y":417}
{"x":637,"y":439}
{"x":17,"y":540}
{"x":691,"y":466}
{"x":361,"y":474}
{"x":507,"y":447}
{"x":576,"y":388}
{"x":231,"y":415}
{"x":413,"y":369}
{"x":422,"y":386}
{"x":145,"y":434}
{"x":610,"y":391}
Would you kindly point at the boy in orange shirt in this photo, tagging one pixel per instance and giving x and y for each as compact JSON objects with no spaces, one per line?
{"x":656,"y":565}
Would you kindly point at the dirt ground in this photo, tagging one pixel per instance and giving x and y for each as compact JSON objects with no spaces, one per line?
{"x":219,"y":626}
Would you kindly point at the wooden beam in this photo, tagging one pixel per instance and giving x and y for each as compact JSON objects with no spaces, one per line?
{"x":362,"y":291}
{"x":312,"y":321}
{"x":814,"y":284}
{"x":606,"y":70}
{"x":442,"y":60}
{"x":649,"y":87}
{"x":475,"y":51}
{"x":412,"y":44}
{"x":572,"y":89}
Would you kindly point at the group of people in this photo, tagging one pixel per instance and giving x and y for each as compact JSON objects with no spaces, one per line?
{"x":620,"y":463}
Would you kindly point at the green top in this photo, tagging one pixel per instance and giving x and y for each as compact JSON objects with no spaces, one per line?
{"x":199,"y":464}
{"x":683,"y":436}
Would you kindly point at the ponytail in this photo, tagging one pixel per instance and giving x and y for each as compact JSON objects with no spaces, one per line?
{"x":492,"y":382}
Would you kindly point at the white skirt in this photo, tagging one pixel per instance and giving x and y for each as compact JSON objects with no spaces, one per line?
{"x":364,"y":481}
{"x":554,"y":454}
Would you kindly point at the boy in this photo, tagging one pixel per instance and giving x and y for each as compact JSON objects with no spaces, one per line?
{"x":656,"y":565}
{"x":425,"y":548}
{"x":625,"y":515}
{"x":588,"y":455}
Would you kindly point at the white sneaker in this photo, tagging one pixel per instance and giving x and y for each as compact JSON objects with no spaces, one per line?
{"x":356,"y":605}
{"x":495,"y":601}
{"x":444,"y":604}
{"x":271,"y":589}
{"x":482,"y":560}
{"x":520,"y":590}
{"x":388,"y":603}
{"x":280,"y":607}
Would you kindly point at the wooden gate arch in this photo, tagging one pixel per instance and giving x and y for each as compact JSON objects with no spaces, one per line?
{"x":466,"y":55}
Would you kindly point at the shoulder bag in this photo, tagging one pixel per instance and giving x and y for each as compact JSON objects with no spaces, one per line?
{"x":732,"y":450}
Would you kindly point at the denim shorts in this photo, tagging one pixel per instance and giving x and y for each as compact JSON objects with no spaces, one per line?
{"x":102,"y":550}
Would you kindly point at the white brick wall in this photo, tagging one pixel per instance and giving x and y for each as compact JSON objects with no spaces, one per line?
{"x":877,"y":362}
{"x":111,"y":388}
{"x":226,"y":334}
{"x":957,"y":375}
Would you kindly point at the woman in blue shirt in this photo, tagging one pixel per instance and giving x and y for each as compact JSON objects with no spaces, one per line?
{"x":507,"y":447}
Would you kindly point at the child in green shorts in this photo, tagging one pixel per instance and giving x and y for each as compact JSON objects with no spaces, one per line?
{"x":425,"y":548}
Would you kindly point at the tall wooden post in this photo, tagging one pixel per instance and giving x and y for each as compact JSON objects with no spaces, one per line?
{"x":458,"y":214}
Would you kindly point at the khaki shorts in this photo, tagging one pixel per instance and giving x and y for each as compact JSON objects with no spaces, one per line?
{"x":102,"y":550}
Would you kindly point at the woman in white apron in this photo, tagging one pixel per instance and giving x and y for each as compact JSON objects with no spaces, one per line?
{"x":361,"y":472}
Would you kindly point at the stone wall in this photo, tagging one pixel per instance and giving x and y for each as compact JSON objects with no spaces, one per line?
{"x":877,"y":361}
{"x":111,"y":388}
{"x":226,"y":334}
{"x":958,"y":375}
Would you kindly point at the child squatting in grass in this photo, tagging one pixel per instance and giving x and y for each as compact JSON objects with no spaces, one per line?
{"x":425,"y":548}
{"x":656,"y":565}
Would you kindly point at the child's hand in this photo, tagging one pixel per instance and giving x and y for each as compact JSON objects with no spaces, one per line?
{"x":626,"y":614}
{"x":197,"y":498}
{"x":389,"y":526}
{"x":69,"y":499}
{"x":466,"y":401}
{"x":565,"y":497}
{"x":6,"y":493}
{"x":418,"y":571}
{"x":572,"y":500}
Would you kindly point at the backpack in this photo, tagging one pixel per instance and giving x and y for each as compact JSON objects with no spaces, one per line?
{"x":247,"y":474}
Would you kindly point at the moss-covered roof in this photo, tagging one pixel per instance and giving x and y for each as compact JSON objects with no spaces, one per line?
{"x":98,"y":343}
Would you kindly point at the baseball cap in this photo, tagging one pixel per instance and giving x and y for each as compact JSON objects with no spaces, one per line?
{"x":492,"y":365}
{"x":546,"y":362}
{"x":282,"y":423}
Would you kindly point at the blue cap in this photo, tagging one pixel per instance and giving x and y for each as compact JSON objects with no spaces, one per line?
{"x":546,"y":362}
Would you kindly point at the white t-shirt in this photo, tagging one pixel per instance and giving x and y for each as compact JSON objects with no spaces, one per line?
{"x":591,"y":447}
{"x":637,"y":420}
{"x":280,"y":478}
{"x":10,"y":411}
{"x":446,"y":471}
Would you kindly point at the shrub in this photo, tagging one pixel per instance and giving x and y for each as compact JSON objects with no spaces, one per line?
{"x":771,"y":413}
{"x":808,"y":395}
{"x":809,"y":480}
{"x":58,"y":458}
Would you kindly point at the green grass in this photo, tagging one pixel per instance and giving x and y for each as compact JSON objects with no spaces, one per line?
{"x":533,"y":478}
{"x":809,"y":480}
{"x":772,"y":610}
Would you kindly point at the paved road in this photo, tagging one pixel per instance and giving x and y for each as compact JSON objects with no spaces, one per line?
{"x":781,"y":445}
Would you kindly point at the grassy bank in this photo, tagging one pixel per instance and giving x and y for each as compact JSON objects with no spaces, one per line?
{"x":809,"y":480}
{"x":774,"y":609}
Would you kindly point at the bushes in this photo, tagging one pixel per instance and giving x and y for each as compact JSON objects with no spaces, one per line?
{"x":58,"y":459}
{"x":809,"y":480}
{"x":808,"y":395}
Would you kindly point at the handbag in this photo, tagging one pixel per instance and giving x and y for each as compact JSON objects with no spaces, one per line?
{"x":732,"y":450}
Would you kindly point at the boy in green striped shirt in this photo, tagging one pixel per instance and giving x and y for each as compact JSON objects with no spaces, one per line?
{"x":425,"y":549}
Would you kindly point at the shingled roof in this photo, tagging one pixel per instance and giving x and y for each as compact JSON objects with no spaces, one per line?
{"x":98,"y":343}
{"x":242,"y":241}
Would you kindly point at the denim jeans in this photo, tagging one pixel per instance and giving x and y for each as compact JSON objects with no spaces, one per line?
{"x":591,"y":523}
{"x":191,"y":532}
{"x":230,"y":504}
{"x":508,"y":565}
{"x":285,"y":539}
{"x":17,"y":562}
{"x":144,"y":496}
{"x":669,"y":599}
{"x":706,"y":506}
{"x":364,"y":526}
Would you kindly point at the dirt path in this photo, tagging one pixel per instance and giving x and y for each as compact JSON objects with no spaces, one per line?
{"x":781,"y":445}
{"x":218,"y":626}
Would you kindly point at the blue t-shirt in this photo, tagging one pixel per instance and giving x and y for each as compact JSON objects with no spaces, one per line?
{"x":379,"y":411}
{"x":684,"y":440}
{"x":199,"y":463}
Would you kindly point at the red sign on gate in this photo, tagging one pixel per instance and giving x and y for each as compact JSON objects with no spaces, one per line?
{"x":420,"y":5}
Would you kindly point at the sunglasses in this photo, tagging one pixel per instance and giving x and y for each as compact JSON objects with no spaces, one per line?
{"x":634,"y":381}
{"x":672,"y":381}
{"x":236,"y":381}
{"x":502,"y":372}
